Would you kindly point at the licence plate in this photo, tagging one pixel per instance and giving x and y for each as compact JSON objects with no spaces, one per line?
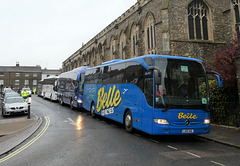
{"x":188,"y":131}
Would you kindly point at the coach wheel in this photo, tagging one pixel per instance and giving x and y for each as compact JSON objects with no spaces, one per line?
{"x":128,"y":121}
{"x":2,"y":113}
{"x":71,"y":105}
{"x":92,"y":110}
{"x":61,"y":101}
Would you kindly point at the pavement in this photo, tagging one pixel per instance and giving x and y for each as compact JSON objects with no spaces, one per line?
{"x":224,"y":134}
{"x":14,"y":131}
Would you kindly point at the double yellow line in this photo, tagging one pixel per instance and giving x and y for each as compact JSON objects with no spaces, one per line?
{"x":29,"y":143}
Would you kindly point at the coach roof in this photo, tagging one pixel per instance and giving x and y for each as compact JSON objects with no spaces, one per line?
{"x":141,"y":60}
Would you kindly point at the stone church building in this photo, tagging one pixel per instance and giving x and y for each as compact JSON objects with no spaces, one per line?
{"x":190,"y":28}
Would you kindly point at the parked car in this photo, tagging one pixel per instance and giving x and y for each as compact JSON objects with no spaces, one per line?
{"x":14,"y":105}
{"x":7,"y":90}
{"x":10,"y":94}
{"x":28,"y":90}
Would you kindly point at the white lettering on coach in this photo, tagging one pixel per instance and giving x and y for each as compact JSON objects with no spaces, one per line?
{"x":107,"y":111}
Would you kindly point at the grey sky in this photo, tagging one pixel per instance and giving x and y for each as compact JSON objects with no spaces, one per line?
{"x":46,"y":32}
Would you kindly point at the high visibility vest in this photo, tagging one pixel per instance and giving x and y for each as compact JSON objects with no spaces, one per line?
{"x":24,"y":94}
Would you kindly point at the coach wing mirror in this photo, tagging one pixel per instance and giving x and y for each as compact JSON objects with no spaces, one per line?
{"x":157,"y":77}
{"x":157,"y":74}
{"x":219,"y":78}
{"x":76,"y":89}
{"x":78,"y":77}
{"x":55,"y":88}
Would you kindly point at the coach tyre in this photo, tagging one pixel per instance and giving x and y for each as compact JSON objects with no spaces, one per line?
{"x":128,"y":121}
{"x":61,"y":101}
{"x":93,"y":114}
{"x":71,"y":105}
{"x":3,"y":113}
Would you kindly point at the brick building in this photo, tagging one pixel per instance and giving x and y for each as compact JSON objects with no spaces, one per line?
{"x":18,"y":76}
{"x":191,"y":28}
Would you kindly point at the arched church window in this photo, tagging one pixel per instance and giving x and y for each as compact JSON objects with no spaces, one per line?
{"x":150,"y":33}
{"x":122,"y":45}
{"x":112,"y":48}
{"x":236,"y":10}
{"x":198,"y":16}
{"x":134,"y":40}
{"x":236,"y":4}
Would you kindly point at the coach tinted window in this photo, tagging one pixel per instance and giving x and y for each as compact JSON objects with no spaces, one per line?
{"x":117,"y":73}
{"x":134,"y":74}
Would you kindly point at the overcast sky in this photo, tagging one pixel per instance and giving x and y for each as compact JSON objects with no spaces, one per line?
{"x":47,"y":32}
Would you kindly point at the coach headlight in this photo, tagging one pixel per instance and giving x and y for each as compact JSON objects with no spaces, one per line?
{"x":206,"y":121}
{"x":79,"y":101}
{"x":161,"y":121}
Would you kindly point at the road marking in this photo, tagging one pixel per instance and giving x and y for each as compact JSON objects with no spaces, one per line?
{"x":137,"y":135}
{"x":171,"y":147}
{"x":217,"y":163}
{"x":193,"y":154}
{"x":113,"y":125}
{"x":72,"y":122}
{"x":153,"y":140}
{"x":29,"y":143}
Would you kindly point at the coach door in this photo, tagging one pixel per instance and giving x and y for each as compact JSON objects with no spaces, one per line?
{"x":147,"y":114}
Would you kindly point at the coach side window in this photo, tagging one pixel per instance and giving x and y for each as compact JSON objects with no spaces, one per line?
{"x":148,"y":87}
{"x":117,"y":73}
{"x":89,"y":76}
{"x":134,"y":74}
{"x":81,"y":83}
{"x":106,"y":75}
{"x":148,"y":90}
{"x":62,"y":85}
{"x":97,"y":76}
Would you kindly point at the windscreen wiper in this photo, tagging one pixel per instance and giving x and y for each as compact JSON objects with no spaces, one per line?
{"x":207,"y":110}
{"x":166,"y":109}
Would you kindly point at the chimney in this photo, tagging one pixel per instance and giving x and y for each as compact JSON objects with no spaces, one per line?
{"x":17,"y":64}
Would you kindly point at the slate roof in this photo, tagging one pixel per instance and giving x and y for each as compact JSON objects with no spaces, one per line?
{"x":20,"y":69}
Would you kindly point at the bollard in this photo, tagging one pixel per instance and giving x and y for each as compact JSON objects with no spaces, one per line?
{"x":28,"y":117}
{"x":29,"y":104}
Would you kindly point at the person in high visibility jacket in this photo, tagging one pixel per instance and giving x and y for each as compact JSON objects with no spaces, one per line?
{"x":24,"y":93}
{"x":34,"y":91}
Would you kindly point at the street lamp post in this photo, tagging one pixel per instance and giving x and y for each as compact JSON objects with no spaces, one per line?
{"x":29,"y":103}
